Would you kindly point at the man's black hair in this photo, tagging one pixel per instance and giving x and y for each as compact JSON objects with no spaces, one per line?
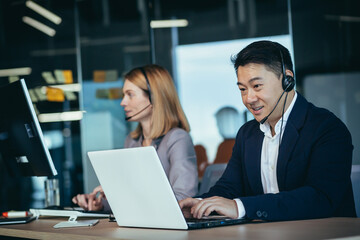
{"x":266,"y":53}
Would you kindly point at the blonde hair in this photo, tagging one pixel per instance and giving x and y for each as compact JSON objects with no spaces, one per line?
{"x":167,"y":111}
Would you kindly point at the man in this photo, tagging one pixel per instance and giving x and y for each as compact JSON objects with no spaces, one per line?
{"x":292,"y":162}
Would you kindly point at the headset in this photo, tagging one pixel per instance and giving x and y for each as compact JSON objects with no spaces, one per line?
{"x":147,"y":82}
{"x":288,"y":82}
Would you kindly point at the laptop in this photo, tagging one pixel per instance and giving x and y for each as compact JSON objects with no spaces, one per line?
{"x":139,"y":192}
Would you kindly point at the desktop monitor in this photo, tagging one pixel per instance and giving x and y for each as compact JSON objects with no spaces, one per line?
{"x":22,"y":145}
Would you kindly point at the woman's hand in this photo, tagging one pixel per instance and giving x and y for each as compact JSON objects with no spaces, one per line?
{"x":91,"y":201}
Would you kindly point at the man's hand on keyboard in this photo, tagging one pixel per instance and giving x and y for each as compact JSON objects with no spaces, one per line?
{"x":204,"y":207}
{"x":186,"y":205}
{"x":91,"y":201}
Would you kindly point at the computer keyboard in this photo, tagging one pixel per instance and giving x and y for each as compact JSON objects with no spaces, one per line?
{"x":68,"y":212}
{"x":79,"y":209}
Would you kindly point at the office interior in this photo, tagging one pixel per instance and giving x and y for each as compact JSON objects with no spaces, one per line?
{"x":74,"y":65}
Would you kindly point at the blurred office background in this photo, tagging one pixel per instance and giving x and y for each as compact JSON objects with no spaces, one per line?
{"x":87,"y":47}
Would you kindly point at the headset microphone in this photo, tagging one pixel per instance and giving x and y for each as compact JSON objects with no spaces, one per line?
{"x":128,"y":118}
{"x":266,"y":118}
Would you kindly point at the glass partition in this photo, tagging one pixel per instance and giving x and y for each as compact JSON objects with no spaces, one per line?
{"x":113,"y":38}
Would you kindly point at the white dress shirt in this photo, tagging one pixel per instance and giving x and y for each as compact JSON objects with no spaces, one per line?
{"x":269,"y":156}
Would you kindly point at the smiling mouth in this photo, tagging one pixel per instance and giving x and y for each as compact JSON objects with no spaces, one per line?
{"x":256,"y":108}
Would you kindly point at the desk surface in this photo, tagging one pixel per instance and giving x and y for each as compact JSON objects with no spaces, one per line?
{"x":306,"y":229}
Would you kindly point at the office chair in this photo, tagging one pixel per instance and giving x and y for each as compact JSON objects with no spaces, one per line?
{"x":224,"y":151}
{"x":202,"y":159}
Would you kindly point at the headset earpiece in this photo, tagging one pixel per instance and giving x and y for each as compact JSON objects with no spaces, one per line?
{"x":288,"y":82}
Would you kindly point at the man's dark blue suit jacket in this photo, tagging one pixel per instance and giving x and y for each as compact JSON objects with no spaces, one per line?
{"x":313,"y":168}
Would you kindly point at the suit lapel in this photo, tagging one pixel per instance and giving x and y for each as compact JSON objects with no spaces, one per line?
{"x":290,"y":137}
{"x":253,"y":148}
{"x":288,"y":143}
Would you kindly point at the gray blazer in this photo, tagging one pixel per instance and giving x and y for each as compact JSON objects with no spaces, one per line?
{"x":177,"y":156}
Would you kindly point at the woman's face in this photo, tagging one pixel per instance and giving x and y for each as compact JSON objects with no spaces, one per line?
{"x":136,"y":103}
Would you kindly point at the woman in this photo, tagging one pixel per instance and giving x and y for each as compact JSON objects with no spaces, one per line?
{"x":150,"y":99}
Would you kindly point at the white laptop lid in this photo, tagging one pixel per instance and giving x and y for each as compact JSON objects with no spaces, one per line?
{"x":137,"y":188}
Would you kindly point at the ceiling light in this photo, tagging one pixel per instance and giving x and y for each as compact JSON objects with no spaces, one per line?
{"x":39,"y":26}
{"x":15,"y":72}
{"x":169,"y":23}
{"x":43,"y":12}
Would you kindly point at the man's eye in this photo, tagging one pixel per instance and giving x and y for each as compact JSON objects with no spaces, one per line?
{"x":257,"y":85}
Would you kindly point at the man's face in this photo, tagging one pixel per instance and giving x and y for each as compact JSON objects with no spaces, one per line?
{"x":260,"y":90}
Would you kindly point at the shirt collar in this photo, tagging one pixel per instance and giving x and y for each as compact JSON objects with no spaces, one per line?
{"x":265,"y":128}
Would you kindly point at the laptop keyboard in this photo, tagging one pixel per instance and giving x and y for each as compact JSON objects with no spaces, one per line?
{"x":206,"y":219}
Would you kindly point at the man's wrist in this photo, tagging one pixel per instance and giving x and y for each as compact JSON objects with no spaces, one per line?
{"x":240,"y":208}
